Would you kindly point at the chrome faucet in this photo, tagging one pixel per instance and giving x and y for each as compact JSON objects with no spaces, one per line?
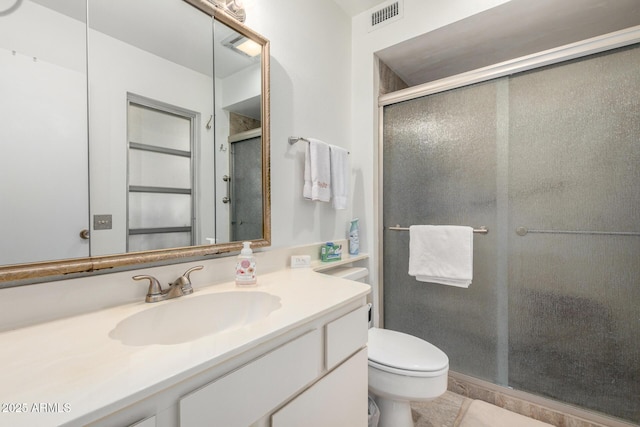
{"x":179,"y":287}
{"x":184,"y":282}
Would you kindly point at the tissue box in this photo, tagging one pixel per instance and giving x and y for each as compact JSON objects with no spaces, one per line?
{"x":330,"y":252}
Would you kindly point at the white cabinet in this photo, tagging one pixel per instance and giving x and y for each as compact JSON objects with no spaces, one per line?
{"x":330,"y":362}
{"x":346,"y":335}
{"x":339,"y":399}
{"x":248,"y":393}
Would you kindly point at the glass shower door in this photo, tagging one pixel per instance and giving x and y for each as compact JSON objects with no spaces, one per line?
{"x":246,"y":189}
{"x":549,"y":161}
{"x":574,"y":189}
{"x":440,"y":168}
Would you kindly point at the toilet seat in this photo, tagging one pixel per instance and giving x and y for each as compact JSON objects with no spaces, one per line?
{"x":404,"y":354}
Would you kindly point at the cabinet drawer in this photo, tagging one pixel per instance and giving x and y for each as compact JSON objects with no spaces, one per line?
{"x":345,"y":336}
{"x":244,"y":395}
{"x":338,"y":399}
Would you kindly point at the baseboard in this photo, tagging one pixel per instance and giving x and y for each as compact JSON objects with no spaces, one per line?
{"x":540,"y":408}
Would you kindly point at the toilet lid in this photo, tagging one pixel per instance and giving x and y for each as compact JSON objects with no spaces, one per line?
{"x":402,"y":351}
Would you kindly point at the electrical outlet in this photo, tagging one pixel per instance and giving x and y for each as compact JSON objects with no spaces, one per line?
{"x":300,"y":261}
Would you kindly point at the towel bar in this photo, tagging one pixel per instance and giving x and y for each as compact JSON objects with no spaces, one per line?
{"x":481,"y":230}
{"x":523,"y":231}
{"x":294,"y":139}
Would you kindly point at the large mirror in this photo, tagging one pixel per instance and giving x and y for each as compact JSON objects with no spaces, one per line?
{"x":131,"y":133}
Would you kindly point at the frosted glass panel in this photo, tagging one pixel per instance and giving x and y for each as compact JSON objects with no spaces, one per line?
{"x":149,"y":242}
{"x":159,"y":175}
{"x":147,"y":168}
{"x":554,"y":150}
{"x":155,"y":127}
{"x":246,"y":190}
{"x":149,"y":210}
{"x":574,"y":164}
{"x":440,"y":168}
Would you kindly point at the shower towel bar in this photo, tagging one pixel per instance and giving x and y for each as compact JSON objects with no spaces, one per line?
{"x":481,"y":230}
{"x":523,"y":231}
{"x":294,"y":139}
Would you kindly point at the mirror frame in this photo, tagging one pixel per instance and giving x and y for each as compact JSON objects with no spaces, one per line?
{"x":24,"y":274}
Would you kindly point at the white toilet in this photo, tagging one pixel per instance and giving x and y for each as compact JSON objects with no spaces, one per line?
{"x":402,"y":368}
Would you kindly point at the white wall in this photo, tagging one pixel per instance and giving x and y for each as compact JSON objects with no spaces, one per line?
{"x":310,"y":96}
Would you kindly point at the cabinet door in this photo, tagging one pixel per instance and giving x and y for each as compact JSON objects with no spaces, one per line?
{"x":339,"y":399}
{"x":149,"y":422}
{"x":243,"y":396}
{"x":345,"y":336}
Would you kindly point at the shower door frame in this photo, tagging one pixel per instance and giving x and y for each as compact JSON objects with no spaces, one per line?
{"x":564,"y":53}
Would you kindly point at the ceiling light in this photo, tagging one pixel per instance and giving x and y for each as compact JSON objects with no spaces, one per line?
{"x":243,"y":45}
{"x":250,"y":48}
{"x":233,"y":8}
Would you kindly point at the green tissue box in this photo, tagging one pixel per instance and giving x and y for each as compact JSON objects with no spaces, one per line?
{"x":330,"y":252}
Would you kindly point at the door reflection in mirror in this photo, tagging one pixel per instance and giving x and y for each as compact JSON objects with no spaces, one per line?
{"x":160,"y":174}
{"x":169,"y":70}
{"x":43,"y":134}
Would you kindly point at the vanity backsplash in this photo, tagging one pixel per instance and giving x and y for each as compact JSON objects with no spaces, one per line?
{"x":43,"y":302}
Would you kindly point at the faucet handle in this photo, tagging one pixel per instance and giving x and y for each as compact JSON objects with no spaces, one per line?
{"x":192,"y":269}
{"x":185,"y":281}
{"x":154,"y":293}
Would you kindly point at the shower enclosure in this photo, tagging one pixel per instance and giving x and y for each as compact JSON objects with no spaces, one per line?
{"x":549,"y":161}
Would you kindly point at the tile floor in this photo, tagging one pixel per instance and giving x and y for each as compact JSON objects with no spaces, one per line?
{"x":441,"y":412}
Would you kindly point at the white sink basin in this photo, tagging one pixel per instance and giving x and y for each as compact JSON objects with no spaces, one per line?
{"x":191,"y":317}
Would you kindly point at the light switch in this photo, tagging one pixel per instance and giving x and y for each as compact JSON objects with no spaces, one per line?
{"x":102,"y":222}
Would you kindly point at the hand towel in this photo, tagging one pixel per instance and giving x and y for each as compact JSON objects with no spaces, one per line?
{"x":317,"y":171}
{"x":339,"y":177}
{"x":441,"y":254}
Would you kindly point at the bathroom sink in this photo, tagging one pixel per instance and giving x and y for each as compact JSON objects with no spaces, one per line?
{"x":194,"y":316}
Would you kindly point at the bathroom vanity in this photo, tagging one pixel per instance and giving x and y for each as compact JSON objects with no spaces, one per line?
{"x":291,"y":352}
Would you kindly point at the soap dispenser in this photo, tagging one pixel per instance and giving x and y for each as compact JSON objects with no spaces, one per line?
{"x":246,"y":266}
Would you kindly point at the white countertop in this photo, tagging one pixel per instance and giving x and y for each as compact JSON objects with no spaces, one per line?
{"x":72,"y":364}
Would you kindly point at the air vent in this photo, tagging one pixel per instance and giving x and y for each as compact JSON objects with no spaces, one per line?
{"x":389,"y":13}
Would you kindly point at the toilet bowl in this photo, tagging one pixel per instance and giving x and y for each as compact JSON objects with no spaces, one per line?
{"x":402,"y":369}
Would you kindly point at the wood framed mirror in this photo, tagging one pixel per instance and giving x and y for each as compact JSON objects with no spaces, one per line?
{"x":113,"y":99}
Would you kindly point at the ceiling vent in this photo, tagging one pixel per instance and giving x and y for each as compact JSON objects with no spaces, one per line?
{"x":386,"y":14}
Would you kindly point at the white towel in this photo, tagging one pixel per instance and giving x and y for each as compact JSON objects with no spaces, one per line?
{"x":339,"y":177}
{"x":317,"y":171}
{"x":441,"y":254}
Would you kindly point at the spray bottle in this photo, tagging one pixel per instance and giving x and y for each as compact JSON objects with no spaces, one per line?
{"x":354,"y":239}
